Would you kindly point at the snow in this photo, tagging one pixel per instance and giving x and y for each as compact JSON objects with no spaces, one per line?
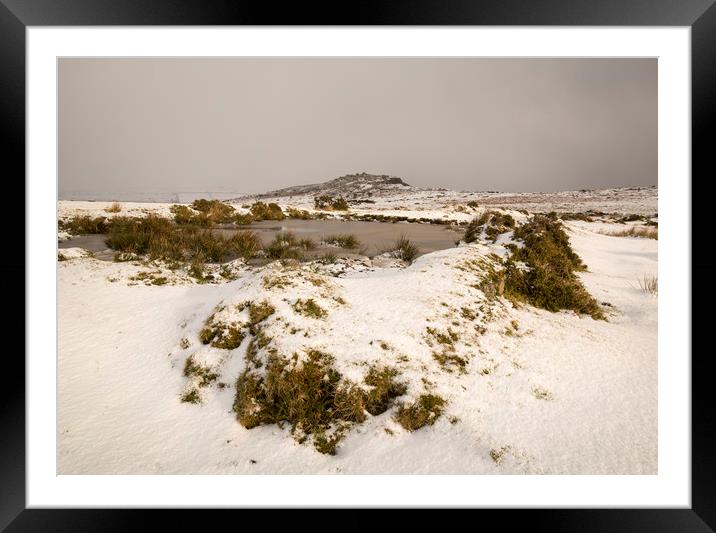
{"x":559,"y":394}
{"x":421,"y":203}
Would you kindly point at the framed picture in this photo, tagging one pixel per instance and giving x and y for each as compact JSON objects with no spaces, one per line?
{"x":407,"y":260}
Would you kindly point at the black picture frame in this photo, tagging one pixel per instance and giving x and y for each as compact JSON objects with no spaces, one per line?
{"x":699,"y":15}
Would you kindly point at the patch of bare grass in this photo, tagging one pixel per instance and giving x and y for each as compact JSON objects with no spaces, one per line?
{"x":423,"y":411}
{"x":309,"y":308}
{"x":646,"y":232}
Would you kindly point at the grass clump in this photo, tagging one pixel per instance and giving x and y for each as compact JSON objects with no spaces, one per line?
{"x":347,"y":241}
{"x":447,"y":339}
{"x":216,"y":210}
{"x":160,"y":238}
{"x":646,"y":232}
{"x":308,"y":394}
{"x":449,"y":360}
{"x":260,"y":211}
{"x":84,"y":225}
{"x":224,"y":336}
{"x":542,"y":394}
{"x":300,"y":214}
{"x":424,"y":411}
{"x":312,"y":396}
{"x":285,"y":245}
{"x":328,"y":258}
{"x":576,"y":216}
{"x":384,"y":390}
{"x":258,"y":312}
{"x":493,"y":223}
{"x":229,"y":338}
{"x":309,"y":308}
{"x":203,"y":374}
{"x":542,"y":272}
{"x":204,"y":213}
{"x":115,"y":207}
{"x":630,"y":218}
{"x":191,"y":396}
{"x":329,"y":202}
{"x":404,"y":249}
{"x":182,"y":214}
{"x":327,"y":444}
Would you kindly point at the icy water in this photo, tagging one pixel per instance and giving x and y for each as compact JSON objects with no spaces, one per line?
{"x":373,"y":237}
{"x":94,"y":243}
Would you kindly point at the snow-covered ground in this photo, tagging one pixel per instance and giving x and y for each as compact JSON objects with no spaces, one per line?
{"x":424,"y":203}
{"x":551,"y":393}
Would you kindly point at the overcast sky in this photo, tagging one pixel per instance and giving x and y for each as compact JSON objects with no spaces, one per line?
{"x":128,"y":126}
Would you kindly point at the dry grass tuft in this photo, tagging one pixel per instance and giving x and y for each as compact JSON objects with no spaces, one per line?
{"x":424,"y":411}
{"x":646,"y":232}
{"x":404,"y":249}
{"x":649,"y":283}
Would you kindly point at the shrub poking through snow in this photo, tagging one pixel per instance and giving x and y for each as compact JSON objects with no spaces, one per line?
{"x":423,"y":411}
{"x":307,"y":244}
{"x":182,"y":214}
{"x":191,"y":396}
{"x":160,"y":238}
{"x":203,"y":213}
{"x":493,"y":223}
{"x":404,"y":249}
{"x":576,"y":216}
{"x":203,"y":375}
{"x":347,"y":241}
{"x":84,"y":225}
{"x":224,"y":336}
{"x":308,"y":393}
{"x":542,"y":272}
{"x":647,"y":232}
{"x":384,"y":390}
{"x":350,"y":403}
{"x":300,"y":214}
{"x":327,"y":443}
{"x":115,"y":207}
{"x":309,"y":308}
{"x":449,"y":360}
{"x":328,"y":202}
{"x":285,"y":245}
{"x":229,"y":338}
{"x":261,"y":211}
{"x":328,"y":258}
{"x":340,"y":204}
{"x":258,"y":312}
{"x":630,"y":218}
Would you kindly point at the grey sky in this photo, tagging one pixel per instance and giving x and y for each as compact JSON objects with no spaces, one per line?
{"x":130,"y":126}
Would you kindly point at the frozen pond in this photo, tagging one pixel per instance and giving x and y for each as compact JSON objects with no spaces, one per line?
{"x":373,"y":237}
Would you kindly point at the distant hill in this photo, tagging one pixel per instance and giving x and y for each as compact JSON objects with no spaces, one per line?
{"x":350,"y":186}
